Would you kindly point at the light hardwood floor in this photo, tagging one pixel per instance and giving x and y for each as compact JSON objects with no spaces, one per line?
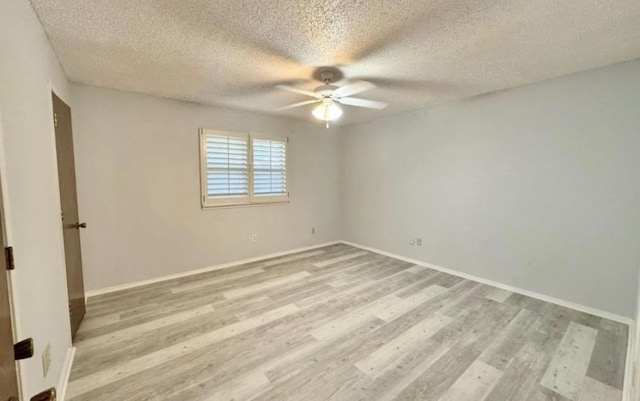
{"x":339,"y":323}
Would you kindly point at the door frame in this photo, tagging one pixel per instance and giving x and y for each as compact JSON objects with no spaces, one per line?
{"x":4,"y":226}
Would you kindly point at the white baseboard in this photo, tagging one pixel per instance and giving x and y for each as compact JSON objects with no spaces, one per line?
{"x":630,"y":367}
{"x":66,"y":373}
{"x":135,"y":284}
{"x":532,"y":294}
{"x":629,"y":363}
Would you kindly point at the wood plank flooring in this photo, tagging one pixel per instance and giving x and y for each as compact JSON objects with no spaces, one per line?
{"x":338,"y":323}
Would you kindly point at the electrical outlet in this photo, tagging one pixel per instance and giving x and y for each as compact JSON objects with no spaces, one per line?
{"x":254,"y":238}
{"x":46,"y":360}
{"x":411,"y":241}
{"x":313,"y":230}
{"x":419,"y":241}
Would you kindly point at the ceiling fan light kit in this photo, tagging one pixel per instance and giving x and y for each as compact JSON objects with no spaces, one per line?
{"x":328,"y":110}
{"x":330,"y":96}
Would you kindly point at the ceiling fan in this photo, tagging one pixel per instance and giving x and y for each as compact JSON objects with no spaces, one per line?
{"x":330,"y":96}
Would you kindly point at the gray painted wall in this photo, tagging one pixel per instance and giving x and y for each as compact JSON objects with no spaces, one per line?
{"x":535,"y":187}
{"x":30,"y":186}
{"x":137,"y":162}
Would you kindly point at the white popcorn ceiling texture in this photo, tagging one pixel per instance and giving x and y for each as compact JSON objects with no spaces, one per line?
{"x":418,"y":52}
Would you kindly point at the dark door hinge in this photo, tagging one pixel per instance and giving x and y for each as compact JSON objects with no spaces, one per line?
{"x":47,"y":395}
{"x":8,"y":254}
{"x":55,"y":120}
{"x":23,"y":349}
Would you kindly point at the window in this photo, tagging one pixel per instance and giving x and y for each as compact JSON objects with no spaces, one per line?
{"x":269,"y":167}
{"x":239,"y":168}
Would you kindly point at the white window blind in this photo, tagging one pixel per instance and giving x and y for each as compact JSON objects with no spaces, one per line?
{"x":269,"y":167}
{"x":240,"y":168}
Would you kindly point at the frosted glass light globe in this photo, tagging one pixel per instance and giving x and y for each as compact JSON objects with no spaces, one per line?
{"x":328,"y":110}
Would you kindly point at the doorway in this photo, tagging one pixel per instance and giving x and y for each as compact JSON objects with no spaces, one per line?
{"x":71,"y":224}
{"x":8,"y":373}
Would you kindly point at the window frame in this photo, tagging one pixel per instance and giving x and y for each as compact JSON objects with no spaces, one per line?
{"x":250,"y":199}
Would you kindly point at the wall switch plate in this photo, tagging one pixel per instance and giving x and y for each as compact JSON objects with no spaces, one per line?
{"x":419,"y":241}
{"x":46,"y":360}
{"x":254,"y":237}
{"x":411,"y":241}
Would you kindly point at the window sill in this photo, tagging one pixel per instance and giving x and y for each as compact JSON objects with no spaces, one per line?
{"x":243,"y":205}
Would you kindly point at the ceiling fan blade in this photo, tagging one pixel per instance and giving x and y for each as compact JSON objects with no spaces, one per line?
{"x":368,"y":104}
{"x":306,"y":102}
{"x":296,"y":90}
{"x":353,"y":88}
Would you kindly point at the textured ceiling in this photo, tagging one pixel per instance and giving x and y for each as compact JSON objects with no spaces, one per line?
{"x":418,"y":52}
